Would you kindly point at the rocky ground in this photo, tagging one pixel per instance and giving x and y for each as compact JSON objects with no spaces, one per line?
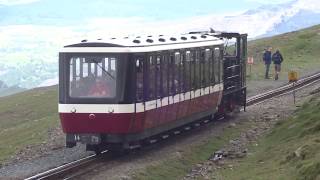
{"x":262,"y":118}
{"x":53,"y":153}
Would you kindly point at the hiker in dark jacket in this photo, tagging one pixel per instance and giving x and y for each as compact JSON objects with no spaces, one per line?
{"x":267,"y":61}
{"x":277,"y":60}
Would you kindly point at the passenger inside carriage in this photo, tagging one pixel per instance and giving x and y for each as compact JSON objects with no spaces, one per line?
{"x":99,"y":89}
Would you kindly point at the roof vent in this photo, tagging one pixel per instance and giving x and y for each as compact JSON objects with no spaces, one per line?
{"x":173,"y":39}
{"x":113,"y":38}
{"x":126,"y":37}
{"x":204,"y":36}
{"x":162,"y":40}
{"x":84,"y":40}
{"x":136,"y":41}
{"x":149,"y":40}
{"x":183,"y":38}
{"x":160,"y":35}
{"x":193,"y":37}
{"x":99,"y":39}
{"x":138,"y":37}
{"x":149,"y":36}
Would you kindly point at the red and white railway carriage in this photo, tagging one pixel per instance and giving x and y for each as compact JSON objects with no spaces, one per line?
{"x":117,"y":92}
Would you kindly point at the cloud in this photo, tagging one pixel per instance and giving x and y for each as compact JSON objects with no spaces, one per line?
{"x":49,"y":82}
{"x":16,"y":2}
{"x":269,"y":1}
{"x":311,"y":5}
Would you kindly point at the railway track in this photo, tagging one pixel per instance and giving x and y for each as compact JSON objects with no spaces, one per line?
{"x":284,"y":89}
{"x":68,"y":171}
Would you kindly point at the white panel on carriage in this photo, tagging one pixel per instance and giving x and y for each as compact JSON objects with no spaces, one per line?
{"x":181,"y":97}
{"x":197,"y":93}
{"x":211,"y":89}
{"x":159,"y":103}
{"x":192,"y":95}
{"x":151,"y":105}
{"x":187,"y":95}
{"x":203,"y":91}
{"x":140,"y":107}
{"x":171,"y":100}
{"x":96,"y":108}
{"x":176,"y":98}
{"x":165,"y":101}
{"x":207,"y":90}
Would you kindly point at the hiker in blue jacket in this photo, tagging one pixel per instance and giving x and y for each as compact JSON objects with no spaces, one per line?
{"x":277,"y":60}
{"x":267,"y":61}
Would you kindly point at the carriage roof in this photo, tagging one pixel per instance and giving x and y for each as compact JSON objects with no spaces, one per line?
{"x":144,"y":43}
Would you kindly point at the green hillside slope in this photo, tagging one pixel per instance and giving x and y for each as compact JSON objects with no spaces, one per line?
{"x":301,"y":51}
{"x":291,"y":151}
{"x":25,"y":119}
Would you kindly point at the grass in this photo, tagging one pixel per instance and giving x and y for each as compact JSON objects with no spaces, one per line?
{"x":300,"y":50}
{"x":178,"y":167}
{"x":290,"y":151}
{"x":25,"y":119}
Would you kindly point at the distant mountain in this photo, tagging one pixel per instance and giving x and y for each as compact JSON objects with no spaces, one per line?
{"x":300,"y":20}
{"x":3,"y":85}
{"x":269,"y":20}
{"x":5,"y":90}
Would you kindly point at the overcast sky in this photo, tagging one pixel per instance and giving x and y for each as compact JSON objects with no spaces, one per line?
{"x":154,"y":9}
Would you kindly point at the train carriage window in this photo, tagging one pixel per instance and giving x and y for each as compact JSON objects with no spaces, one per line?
{"x":197,"y":77}
{"x":89,"y":79}
{"x":192,"y":70}
{"x":182,"y":72}
{"x":139,"y":79}
{"x":207,"y":66}
{"x":171,"y":74}
{"x":212,"y":65}
{"x":187,"y":71}
{"x":177,"y":77}
{"x":152,"y":65}
{"x":216,"y":65}
{"x":221,"y":65}
{"x":164,"y":74}
{"x":202,"y":68}
{"x":159,"y":76}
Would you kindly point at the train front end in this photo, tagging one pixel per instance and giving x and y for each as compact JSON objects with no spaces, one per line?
{"x":91,"y":97}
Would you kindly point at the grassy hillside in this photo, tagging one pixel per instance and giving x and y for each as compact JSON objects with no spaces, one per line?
{"x":25,"y":119}
{"x":300,"y":49}
{"x":291,"y":151}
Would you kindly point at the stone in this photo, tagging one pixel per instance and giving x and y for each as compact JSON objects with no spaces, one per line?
{"x":232,"y":125}
{"x":297,"y":152}
{"x":125,"y":178}
{"x":240,"y":155}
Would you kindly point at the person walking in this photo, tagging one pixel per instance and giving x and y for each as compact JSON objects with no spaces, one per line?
{"x":267,"y":61}
{"x":277,"y":59}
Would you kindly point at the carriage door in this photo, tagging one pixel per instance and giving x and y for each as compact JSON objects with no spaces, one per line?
{"x":139,"y":97}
